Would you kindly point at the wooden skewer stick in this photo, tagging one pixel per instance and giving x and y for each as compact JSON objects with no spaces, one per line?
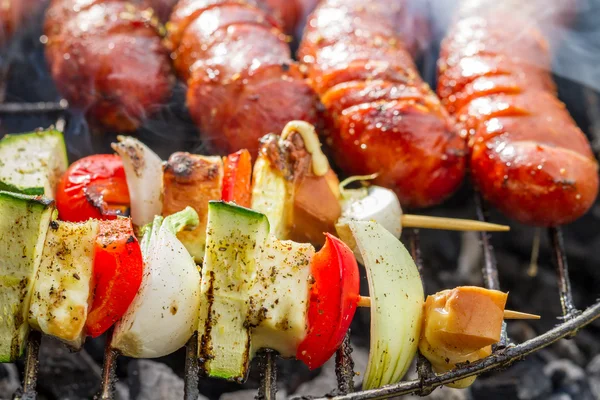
{"x":508,"y":314}
{"x":450,"y":224}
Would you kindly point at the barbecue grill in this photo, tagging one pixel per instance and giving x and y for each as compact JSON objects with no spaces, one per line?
{"x":505,"y":353}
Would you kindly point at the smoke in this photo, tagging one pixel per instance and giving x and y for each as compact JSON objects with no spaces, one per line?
{"x":570,"y":26}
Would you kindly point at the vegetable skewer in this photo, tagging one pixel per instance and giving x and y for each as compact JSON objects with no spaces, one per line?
{"x":291,"y":297}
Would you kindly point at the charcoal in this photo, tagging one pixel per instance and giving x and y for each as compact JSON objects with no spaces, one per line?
{"x":249,"y":394}
{"x":525,"y":380}
{"x":569,"y":378}
{"x":593,"y":373}
{"x":151,"y":380}
{"x":326,"y":381}
{"x":9,"y":380}
{"x":66,"y":375}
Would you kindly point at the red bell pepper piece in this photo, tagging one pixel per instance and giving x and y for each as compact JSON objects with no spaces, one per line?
{"x":118,"y":270}
{"x":332,"y":304}
{"x":93,"y":187}
{"x":237,"y":178}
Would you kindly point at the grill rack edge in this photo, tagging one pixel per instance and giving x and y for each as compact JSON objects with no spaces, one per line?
{"x":504,"y":353}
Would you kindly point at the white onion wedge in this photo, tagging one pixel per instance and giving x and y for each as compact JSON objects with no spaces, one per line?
{"x":144,"y":173}
{"x":374,"y":203}
{"x":397,"y":299}
{"x":164,"y":313}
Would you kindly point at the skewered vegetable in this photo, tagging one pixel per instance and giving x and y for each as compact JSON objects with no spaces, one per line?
{"x":118,"y":269}
{"x":332,"y":303}
{"x":396,"y":302}
{"x":93,"y":187}
{"x":163,"y":315}
{"x":237,"y":178}
{"x":460,"y":325}
{"x":24,"y":222}
{"x":32,"y":163}
{"x":62,"y":292}
{"x":192,"y":180}
{"x":144,"y":175}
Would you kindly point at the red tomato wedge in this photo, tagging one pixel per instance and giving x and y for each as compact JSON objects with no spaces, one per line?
{"x":93,"y":187}
{"x":237,"y":178}
{"x":118,"y":270}
{"x":332,"y":304}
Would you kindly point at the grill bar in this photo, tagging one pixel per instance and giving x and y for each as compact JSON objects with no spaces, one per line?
{"x":192,"y":369}
{"x":34,"y":108}
{"x":32,"y":363}
{"x":424,"y":370}
{"x":109,"y":376}
{"x":500,"y":359}
{"x":562,"y":270}
{"x":344,"y":367}
{"x":268,"y":376}
{"x":490,"y":267}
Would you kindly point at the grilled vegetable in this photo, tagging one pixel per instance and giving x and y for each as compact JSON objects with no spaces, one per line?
{"x":118,"y":269}
{"x":294,"y":185}
{"x":24,"y":221}
{"x":192,"y":180}
{"x":93,"y":187}
{"x":270,"y":193}
{"x":237,"y":178}
{"x":63,"y":287}
{"x":235,"y":240}
{"x":460,"y":325}
{"x":332,"y":303}
{"x":254,"y":292}
{"x":396,"y":302}
{"x":32,"y":163}
{"x":374,"y":203}
{"x":144,"y":174}
{"x":164,"y":312}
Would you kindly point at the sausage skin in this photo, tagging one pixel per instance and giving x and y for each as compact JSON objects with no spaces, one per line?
{"x":242,"y":82}
{"x":527,"y":155}
{"x":380,"y":115}
{"x":107,"y":58}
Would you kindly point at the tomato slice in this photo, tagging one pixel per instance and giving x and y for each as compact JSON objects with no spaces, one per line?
{"x":332,"y":304}
{"x":93,"y":187}
{"x":118,"y":270}
{"x":237,"y":178}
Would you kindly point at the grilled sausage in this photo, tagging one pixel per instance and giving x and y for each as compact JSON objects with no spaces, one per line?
{"x":242,"y":82}
{"x":527,"y":155}
{"x":381,"y":116}
{"x":107,"y":57}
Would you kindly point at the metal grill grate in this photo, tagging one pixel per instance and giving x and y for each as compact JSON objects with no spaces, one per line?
{"x":504,"y":353}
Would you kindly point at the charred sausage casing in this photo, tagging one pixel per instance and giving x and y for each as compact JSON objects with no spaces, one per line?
{"x":242,"y":82}
{"x":528,"y":157}
{"x":107,"y":57}
{"x":381,"y":116}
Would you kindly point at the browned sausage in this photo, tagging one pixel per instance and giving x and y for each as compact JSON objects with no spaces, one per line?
{"x":381,"y":116}
{"x":528,"y":157}
{"x":242,"y":82}
{"x":107,"y":58}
